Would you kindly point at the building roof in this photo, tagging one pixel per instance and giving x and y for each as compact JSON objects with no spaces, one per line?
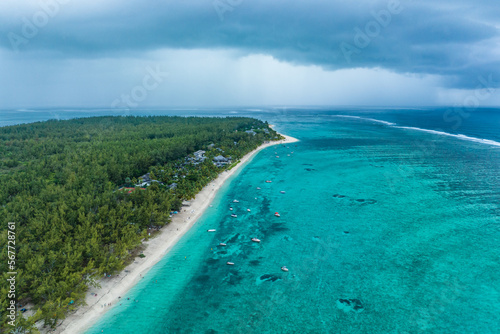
{"x":200,"y":152}
{"x":220,"y":158}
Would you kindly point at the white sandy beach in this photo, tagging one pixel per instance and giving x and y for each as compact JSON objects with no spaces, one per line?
{"x":156,"y":248}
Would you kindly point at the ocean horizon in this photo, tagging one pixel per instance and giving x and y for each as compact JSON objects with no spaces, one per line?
{"x":389,"y":223}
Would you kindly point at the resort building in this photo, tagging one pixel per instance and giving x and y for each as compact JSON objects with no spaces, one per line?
{"x":220,"y":161}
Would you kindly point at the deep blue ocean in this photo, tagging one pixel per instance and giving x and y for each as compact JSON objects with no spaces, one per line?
{"x":390,"y":223}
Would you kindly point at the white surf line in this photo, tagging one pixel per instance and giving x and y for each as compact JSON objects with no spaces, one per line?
{"x":458,"y":136}
{"x":367,"y":119}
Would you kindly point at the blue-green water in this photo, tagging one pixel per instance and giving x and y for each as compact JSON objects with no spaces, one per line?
{"x":384,"y":230}
{"x":386,"y":227}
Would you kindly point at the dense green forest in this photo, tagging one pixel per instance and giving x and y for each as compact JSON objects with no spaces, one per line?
{"x":59,"y":183}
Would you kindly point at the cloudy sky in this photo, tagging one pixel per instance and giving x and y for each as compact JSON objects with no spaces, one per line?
{"x":141,"y":53}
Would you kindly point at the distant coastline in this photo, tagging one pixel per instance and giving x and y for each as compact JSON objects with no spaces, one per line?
{"x":156,"y":249}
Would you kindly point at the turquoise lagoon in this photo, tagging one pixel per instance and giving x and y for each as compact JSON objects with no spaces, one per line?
{"x":384,"y":230}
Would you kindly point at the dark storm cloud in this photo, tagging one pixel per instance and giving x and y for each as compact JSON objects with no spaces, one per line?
{"x":456,"y":39}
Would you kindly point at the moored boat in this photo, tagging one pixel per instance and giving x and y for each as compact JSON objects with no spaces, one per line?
{"x":234,"y":215}
{"x":236,"y":201}
{"x":255,"y":240}
{"x":211,"y":230}
{"x":277,"y":214}
{"x":230,"y":263}
{"x":284,"y":268}
{"x":222,"y":244}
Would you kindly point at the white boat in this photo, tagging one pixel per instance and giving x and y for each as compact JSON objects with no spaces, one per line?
{"x":277,"y":214}
{"x":284,"y":268}
{"x":277,"y":156}
{"x":231,"y":209}
{"x":222,"y":244}
{"x":255,"y":240}
{"x":234,"y":215}
{"x":230,"y":263}
{"x":258,"y":188}
{"x":212,"y":230}
{"x":236,"y":201}
{"x":248,"y":210}
{"x":268,"y":181}
{"x":282,"y":192}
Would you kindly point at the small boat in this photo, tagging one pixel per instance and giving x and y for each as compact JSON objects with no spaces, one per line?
{"x":282,"y":192}
{"x":284,"y":268}
{"x":276,"y":214}
{"x":277,"y":156}
{"x":255,"y":240}
{"x":230,"y":263}
{"x":236,"y":201}
{"x":231,"y":209}
{"x":248,"y":210}
{"x":234,"y":216}
{"x":222,"y":244}
{"x":268,"y":181}
{"x":288,"y":155}
{"x":258,"y":188}
{"x":212,"y":230}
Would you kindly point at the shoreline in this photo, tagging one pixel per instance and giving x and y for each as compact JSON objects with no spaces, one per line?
{"x":155,"y":249}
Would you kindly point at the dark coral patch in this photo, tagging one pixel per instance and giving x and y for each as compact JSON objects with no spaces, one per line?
{"x":269,"y":278}
{"x":347,"y":305}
